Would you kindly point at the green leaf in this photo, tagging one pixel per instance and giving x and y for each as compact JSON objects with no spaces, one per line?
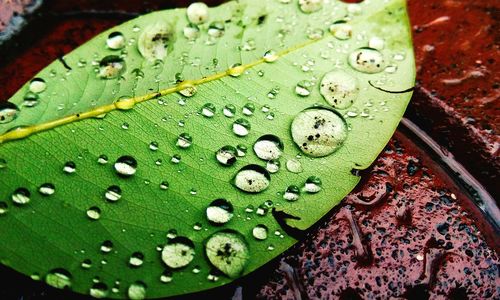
{"x":131,"y":166}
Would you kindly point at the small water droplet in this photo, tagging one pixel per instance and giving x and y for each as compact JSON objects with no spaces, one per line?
{"x":136,"y":259}
{"x":208,"y":110}
{"x":3,"y":163}
{"x":106,"y":246}
{"x":273,"y":93}
{"x":273,"y":166}
{"x":212,"y":277}
{"x":137,"y":291}
{"x":111,"y":66}
{"x":303,"y":88}
{"x":164,"y":185}
{"x":367,"y":60}
{"x":4,"y":208}
{"x":339,"y":88}
{"x":260,"y":232}
{"x":166,"y":276}
{"x":191,"y":32}
{"x":185,"y":140}
{"x":226,"y":155}
{"x":86,"y":264}
{"x":315,"y":34}
{"x":216,"y":29}
{"x":102,"y":159}
{"x":262,"y":210}
{"x":312,"y":184}
{"x":176,"y":159}
{"x":153,"y":146}
{"x":47,"y":189}
{"x":341,"y":30}
{"x":241,"y":127}
{"x":113,"y":193}
{"x":310,"y":6}
{"x":294,"y":166}
{"x":172,"y":234}
{"x":241,"y":150}
{"x":318,"y":132}
{"x":125,"y":166}
{"x":228,"y":252}
{"x":94,"y":213}
{"x":115,"y":40}
{"x":197,"y":226}
{"x":376,"y":43}
{"x":248,"y":109}
{"x":8,"y":112}
{"x":229,"y":110}
{"x":37,"y":85}
{"x":270,"y":56}
{"x":178,"y":252}
{"x":292,"y":193}
{"x":219,"y":212}
{"x":252,"y":179}
{"x":99,"y":290}
{"x":197,"y":13}
{"x":59,"y":278}
{"x":21,"y":196}
{"x":268,"y":147}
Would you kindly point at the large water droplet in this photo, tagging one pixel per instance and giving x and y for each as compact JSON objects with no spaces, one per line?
{"x":310,"y":6}
{"x":8,"y":112}
{"x":312,"y":185}
{"x":252,"y":179}
{"x":228,"y":252}
{"x":94,"y":213}
{"x":341,"y":30}
{"x":339,"y":88}
{"x":318,"y":132}
{"x":99,"y":290}
{"x":111,"y":66}
{"x":292,"y":193}
{"x":178,"y":253}
{"x":113,"y":193}
{"x":241,"y":127}
{"x":47,"y":189}
{"x":197,"y":13}
{"x":126,"y":166}
{"x":220,"y":211}
{"x":136,"y":259}
{"x":268,"y":147}
{"x":226,"y":155}
{"x":137,"y":291}
{"x":115,"y":41}
{"x":260,"y":232}
{"x":185,"y":140}
{"x":153,"y":41}
{"x":37,"y":85}
{"x":21,"y":196}
{"x":59,"y":278}
{"x":367,"y":60}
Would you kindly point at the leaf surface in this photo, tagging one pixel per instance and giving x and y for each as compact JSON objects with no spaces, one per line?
{"x":81,"y":117}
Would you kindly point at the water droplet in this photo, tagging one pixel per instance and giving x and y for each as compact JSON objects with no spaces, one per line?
{"x":99,"y":290}
{"x":399,"y":57}
{"x":241,"y":150}
{"x":37,"y":85}
{"x":113,"y":193}
{"x":208,"y":110}
{"x":197,"y":13}
{"x":102,"y":159}
{"x":312,"y":185}
{"x":153,"y":146}
{"x":292,"y":193}
{"x":178,"y":252}
{"x":341,"y":30}
{"x":270,"y":247}
{"x":216,"y":29}
{"x":106,"y":246}
{"x":367,"y":60}
{"x":191,"y":32}
{"x":228,"y":252}
{"x":153,"y":41}
{"x":137,"y":291}
{"x":47,"y":189}
{"x":212,"y":277}
{"x":86,"y":264}
{"x":111,"y":66}
{"x":220,"y":211}
{"x":8,"y":112}
{"x":164,"y":185}
{"x":187,"y":90}
{"x":31,"y":99}
{"x":166,"y":276}
{"x":248,"y":109}
{"x":310,"y":6}
{"x":339,"y":88}
{"x":268,"y":147}
{"x":262,"y":210}
{"x":136,"y":259}
{"x":273,"y":93}
{"x":273,"y":166}
{"x":270,"y":56}
{"x":252,"y":179}
{"x":259,"y":232}
{"x":4,"y":208}
{"x":315,"y":34}
{"x":229,"y":110}
{"x":125,"y":166}
{"x":318,"y":132}
{"x":69,"y":167}
{"x":176,"y":158}
{"x":21,"y":196}
{"x":226,"y":155}
{"x":115,"y":41}
{"x":94,"y":213}
{"x":249,"y":45}
{"x":59,"y":278}
{"x":184,"y":140}
{"x":3,"y":163}
{"x":303,"y":88}
{"x":376,"y":43}
{"x":241,"y":127}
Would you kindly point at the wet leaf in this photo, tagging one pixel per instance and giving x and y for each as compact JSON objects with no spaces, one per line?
{"x":159,"y":162}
